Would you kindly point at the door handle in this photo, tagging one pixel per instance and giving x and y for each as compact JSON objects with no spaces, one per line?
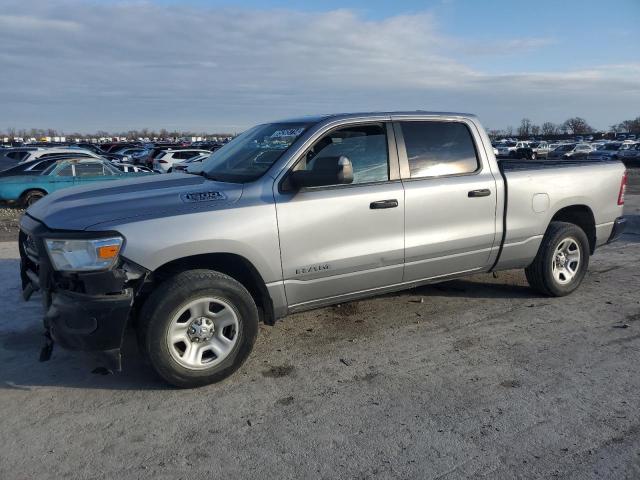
{"x":383,"y":204}
{"x":483,"y":192}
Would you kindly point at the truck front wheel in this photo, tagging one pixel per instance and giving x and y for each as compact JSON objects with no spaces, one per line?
{"x":198,"y":327}
{"x":561,"y":262}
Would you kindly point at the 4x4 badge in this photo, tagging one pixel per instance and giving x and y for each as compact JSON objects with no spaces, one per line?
{"x":193,"y":197}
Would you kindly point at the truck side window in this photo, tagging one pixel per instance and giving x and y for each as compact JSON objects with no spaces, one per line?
{"x":439,"y":148}
{"x":364,"y":145}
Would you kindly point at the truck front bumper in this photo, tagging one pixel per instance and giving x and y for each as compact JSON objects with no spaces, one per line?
{"x":88,"y":322}
{"x":82,"y":311}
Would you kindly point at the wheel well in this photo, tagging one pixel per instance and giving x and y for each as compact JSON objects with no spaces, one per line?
{"x":236,"y":266}
{"x":582,"y":216}
{"x":41,"y":190}
{"x":24,"y":194}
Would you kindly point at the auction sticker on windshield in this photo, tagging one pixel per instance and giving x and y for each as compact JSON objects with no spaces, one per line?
{"x":287,"y":132}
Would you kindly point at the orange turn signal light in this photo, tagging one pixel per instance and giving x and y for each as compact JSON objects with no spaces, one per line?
{"x":108,"y":251}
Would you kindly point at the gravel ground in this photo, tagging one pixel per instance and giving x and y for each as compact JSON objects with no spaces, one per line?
{"x":474,"y":378}
{"x":9,"y":223}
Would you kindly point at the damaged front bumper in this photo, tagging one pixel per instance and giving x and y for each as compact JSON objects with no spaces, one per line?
{"x":78,"y":321}
{"x":83,"y":311}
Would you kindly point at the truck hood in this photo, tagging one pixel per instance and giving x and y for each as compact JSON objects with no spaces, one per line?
{"x":80,"y":208}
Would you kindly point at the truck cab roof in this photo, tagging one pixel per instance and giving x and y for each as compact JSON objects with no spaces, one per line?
{"x":399,"y":113}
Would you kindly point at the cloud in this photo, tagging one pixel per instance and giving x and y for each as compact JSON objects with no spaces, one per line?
{"x":83,"y":66}
{"x":15,"y":23}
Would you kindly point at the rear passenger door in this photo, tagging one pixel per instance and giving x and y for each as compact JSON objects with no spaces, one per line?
{"x":450,"y":198}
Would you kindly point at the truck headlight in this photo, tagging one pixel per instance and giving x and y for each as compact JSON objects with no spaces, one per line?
{"x":83,"y":255}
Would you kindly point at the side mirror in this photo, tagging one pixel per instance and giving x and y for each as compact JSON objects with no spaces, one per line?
{"x":325,"y":171}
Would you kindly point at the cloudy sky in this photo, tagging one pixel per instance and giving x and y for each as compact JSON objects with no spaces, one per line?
{"x":211,"y":65}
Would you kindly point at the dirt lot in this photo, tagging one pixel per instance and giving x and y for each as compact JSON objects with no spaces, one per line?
{"x":475,"y":378}
{"x":9,"y":223}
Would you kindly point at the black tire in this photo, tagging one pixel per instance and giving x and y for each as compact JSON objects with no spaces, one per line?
{"x":32,"y":196}
{"x":165,"y":302}
{"x":532,"y":156}
{"x":540,"y":273}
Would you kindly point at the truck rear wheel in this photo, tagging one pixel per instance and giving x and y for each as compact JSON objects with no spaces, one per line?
{"x":198,"y":327}
{"x":561,"y":262}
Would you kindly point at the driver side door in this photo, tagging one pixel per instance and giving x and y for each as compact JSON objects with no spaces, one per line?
{"x":340,"y":241}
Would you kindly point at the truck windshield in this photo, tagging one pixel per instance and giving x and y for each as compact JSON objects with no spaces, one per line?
{"x":248,"y":156}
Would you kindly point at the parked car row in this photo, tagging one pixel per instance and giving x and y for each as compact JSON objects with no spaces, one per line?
{"x":157,"y":156}
{"x":628,"y":151}
{"x":27,"y":173}
{"x":27,"y":182}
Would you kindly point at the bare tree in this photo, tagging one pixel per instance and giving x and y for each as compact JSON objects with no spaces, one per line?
{"x":577,"y":126}
{"x":627,"y":126}
{"x":524,"y":130}
{"x":535,"y":130}
{"x":549,"y":128}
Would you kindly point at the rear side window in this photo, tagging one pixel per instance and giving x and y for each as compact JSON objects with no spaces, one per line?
{"x":66,"y":171}
{"x":89,"y":169}
{"x":439,"y":148}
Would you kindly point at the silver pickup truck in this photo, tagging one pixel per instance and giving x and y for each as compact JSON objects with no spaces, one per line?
{"x":300,"y":214}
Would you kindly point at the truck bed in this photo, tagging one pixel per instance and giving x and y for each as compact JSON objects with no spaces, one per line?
{"x":539,"y":191}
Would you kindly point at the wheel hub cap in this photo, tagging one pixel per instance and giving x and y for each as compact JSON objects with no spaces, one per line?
{"x":203,"y":333}
{"x":201,"y":330}
{"x":567,"y":259}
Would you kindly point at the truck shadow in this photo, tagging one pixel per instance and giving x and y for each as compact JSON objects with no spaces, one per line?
{"x":22,"y":370}
{"x":21,"y":338}
{"x":509,"y":284}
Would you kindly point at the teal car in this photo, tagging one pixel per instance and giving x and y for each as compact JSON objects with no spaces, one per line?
{"x":25,"y":190}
